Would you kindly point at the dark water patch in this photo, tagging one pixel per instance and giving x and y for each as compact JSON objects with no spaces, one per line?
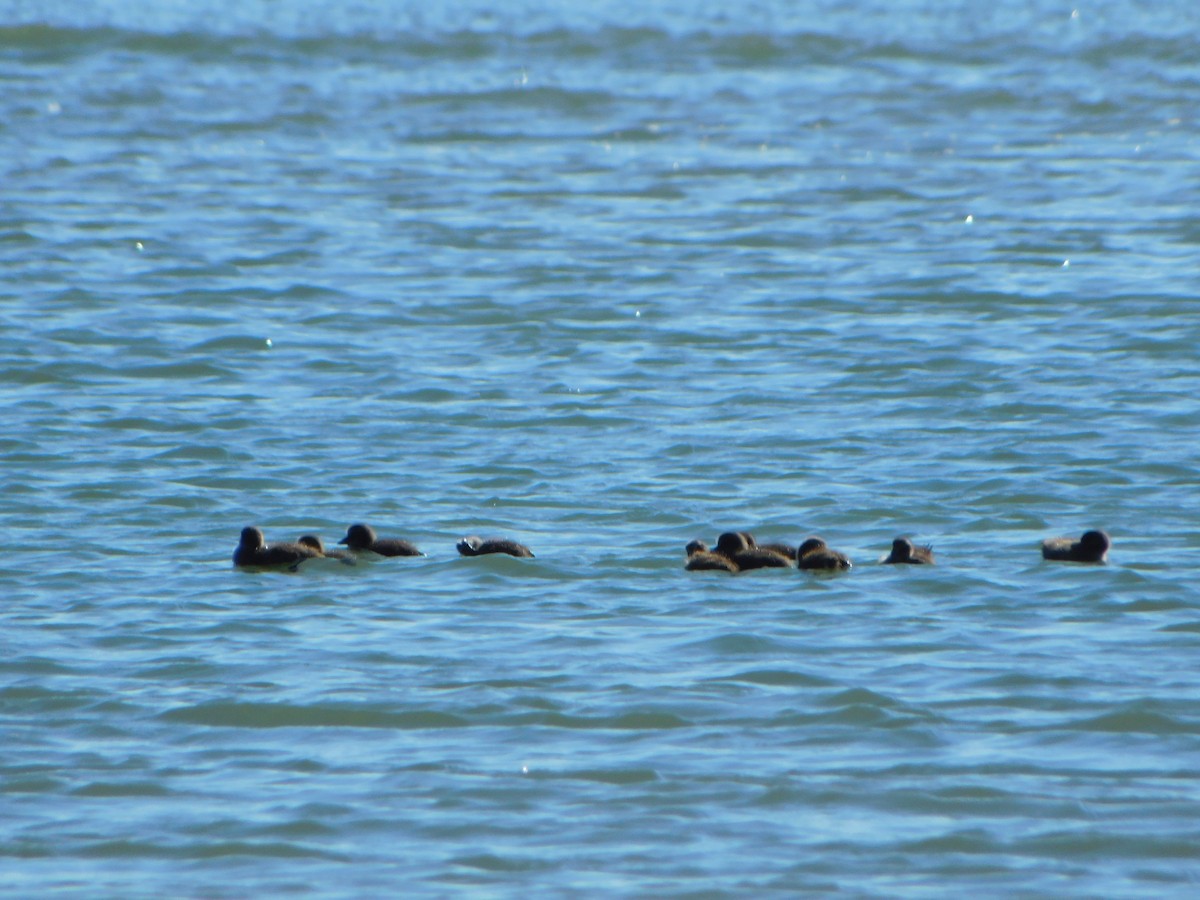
{"x":1182,"y":627}
{"x":74,"y":374}
{"x":602,"y":776}
{"x":122,"y":789}
{"x":1108,"y":845}
{"x":45,"y":44}
{"x":135,"y":849}
{"x":1135,"y":720}
{"x":30,"y":784}
{"x":733,"y":645}
{"x":505,"y":684}
{"x":282,"y":715}
{"x":17,"y":237}
{"x":777,"y":678}
{"x":299,"y":830}
{"x":563,"y":101}
{"x":239,"y":485}
{"x":235,"y":343}
{"x":423,"y":395}
{"x":1150,"y":606}
{"x":490,"y":862}
{"x":217,"y":271}
{"x":26,"y":700}
{"x":966,"y":841}
{"x":179,"y":671}
{"x":189,"y":371}
{"x":149,"y":425}
{"x":632,"y":721}
{"x":235,"y":627}
{"x":35,"y":666}
{"x":865,"y":715}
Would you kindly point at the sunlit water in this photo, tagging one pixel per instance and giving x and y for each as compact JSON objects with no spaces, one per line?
{"x":603,"y":280}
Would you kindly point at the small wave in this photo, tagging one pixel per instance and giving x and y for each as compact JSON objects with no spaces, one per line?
{"x":777,"y":678}
{"x":122,"y":789}
{"x":490,"y":862}
{"x":282,"y":715}
{"x":632,"y":721}
{"x":275,"y":849}
{"x":1136,"y":721}
{"x":603,"y":776}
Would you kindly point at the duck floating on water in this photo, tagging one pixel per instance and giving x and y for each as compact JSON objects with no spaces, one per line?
{"x":1092,"y":547}
{"x":362,"y":537}
{"x":253,"y":550}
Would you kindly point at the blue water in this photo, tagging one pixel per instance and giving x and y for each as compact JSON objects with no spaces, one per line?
{"x":601,"y":280}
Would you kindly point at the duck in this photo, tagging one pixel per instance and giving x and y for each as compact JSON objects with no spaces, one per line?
{"x":362,"y":537}
{"x":701,"y":559}
{"x":475,"y":546}
{"x":1092,"y":547}
{"x":741,"y":547}
{"x":315,"y":543}
{"x":785,"y":550}
{"x":814,"y":553}
{"x":905,"y":551}
{"x":253,"y":550}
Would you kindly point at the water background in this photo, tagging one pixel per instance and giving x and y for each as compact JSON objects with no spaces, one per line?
{"x":604,"y":280}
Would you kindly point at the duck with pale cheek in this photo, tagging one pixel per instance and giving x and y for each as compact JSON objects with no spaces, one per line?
{"x":475,"y":546}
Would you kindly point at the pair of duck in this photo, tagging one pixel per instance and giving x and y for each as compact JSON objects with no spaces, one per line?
{"x":737,"y":551}
{"x":253,"y":549}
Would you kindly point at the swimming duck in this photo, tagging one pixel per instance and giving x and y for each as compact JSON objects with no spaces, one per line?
{"x":741,"y":547}
{"x":1092,"y":547}
{"x":252,"y":550}
{"x":700,"y":558}
{"x":474,"y":546}
{"x":814,"y":553}
{"x":787,"y":551}
{"x":362,"y":537}
{"x":313,"y":542}
{"x":905,"y":551}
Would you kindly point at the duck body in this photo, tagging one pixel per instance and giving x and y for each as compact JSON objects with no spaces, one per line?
{"x":905,"y":551}
{"x":1092,"y":547}
{"x":475,"y":546}
{"x":815,"y":555}
{"x":313,"y":542}
{"x":253,"y":550}
{"x":701,"y":559}
{"x":787,"y":551}
{"x":362,"y":537}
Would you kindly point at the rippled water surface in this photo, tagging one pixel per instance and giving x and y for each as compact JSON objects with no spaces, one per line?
{"x":602,"y":280}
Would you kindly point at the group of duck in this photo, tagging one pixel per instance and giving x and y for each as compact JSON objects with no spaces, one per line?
{"x":738,"y":551}
{"x":735,"y":551}
{"x":253,"y":551}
